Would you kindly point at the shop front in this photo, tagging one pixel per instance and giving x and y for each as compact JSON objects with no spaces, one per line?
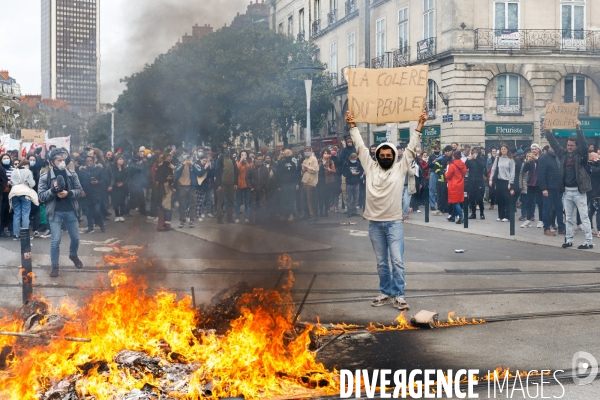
{"x":515,"y":136}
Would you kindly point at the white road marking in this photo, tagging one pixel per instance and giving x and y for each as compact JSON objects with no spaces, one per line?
{"x":366,"y":233}
{"x":107,"y":242}
{"x":103,"y":249}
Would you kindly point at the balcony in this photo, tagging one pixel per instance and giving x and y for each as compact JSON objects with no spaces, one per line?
{"x":300,"y":37}
{"x":509,"y":105}
{"x":350,"y":6}
{"x":584,"y":103}
{"x":392,"y":59}
{"x":431,"y":107}
{"x":333,"y":76}
{"x":537,"y":40}
{"x":343,"y":78}
{"x":332,"y":17}
{"x":426,"y":49}
{"x":316,"y":27}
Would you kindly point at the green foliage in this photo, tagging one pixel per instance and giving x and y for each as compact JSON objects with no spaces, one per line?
{"x":228,"y":84}
{"x":99,"y":132}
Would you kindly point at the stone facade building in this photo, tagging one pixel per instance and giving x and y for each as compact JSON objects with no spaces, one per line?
{"x":493,"y":64}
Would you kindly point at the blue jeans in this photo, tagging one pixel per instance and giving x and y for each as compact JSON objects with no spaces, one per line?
{"x":242,"y":196}
{"x":94,"y":210}
{"x":433,"y":177}
{"x":553,"y":198}
{"x":70,"y":221}
{"x":573,"y":201}
{"x":406,"y":202}
{"x":456,"y":210}
{"x":21,"y":209}
{"x":387,"y":238}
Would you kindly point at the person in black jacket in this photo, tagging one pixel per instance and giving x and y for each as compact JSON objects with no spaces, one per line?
{"x":138,"y":174}
{"x":476,"y":164}
{"x":119,"y":187}
{"x":226,"y":177}
{"x":574,"y":183}
{"x":92,"y":179}
{"x":594,"y":198}
{"x":352,"y":171}
{"x":287,"y":177}
{"x":257,"y":179}
{"x":549,"y":184}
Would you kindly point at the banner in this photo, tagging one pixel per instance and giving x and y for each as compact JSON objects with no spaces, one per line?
{"x":33,"y":136}
{"x":59,"y":142}
{"x":381,"y":96}
{"x":561,"y":116}
{"x":9,"y":144}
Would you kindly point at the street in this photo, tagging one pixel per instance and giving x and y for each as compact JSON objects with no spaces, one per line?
{"x":543,"y":297}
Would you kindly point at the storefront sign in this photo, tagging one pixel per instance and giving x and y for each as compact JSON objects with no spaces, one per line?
{"x":379,"y":137}
{"x":589,"y":125}
{"x":492,"y":129}
{"x":432,"y":131}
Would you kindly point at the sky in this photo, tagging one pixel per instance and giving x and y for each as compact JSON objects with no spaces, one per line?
{"x":132,"y":34}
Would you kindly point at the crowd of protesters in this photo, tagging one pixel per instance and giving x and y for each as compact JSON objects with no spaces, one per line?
{"x":243,"y":186}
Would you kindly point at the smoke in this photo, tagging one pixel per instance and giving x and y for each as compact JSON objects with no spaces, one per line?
{"x":134,"y":32}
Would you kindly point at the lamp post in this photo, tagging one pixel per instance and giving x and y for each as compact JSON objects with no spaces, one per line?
{"x":6,"y":109}
{"x":17,"y":115}
{"x":310,"y":71}
{"x":112,"y":130}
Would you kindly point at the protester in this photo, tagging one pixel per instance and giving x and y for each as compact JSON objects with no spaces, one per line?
{"x":92,"y":179}
{"x":455,"y":176}
{"x":534,"y":194}
{"x":203,"y":177}
{"x":59,"y":190}
{"x":119,"y":187}
{"x":258,"y":180}
{"x":326,"y":183}
{"x":575,"y":182}
{"x":433,"y":177}
{"x":492,"y":188}
{"x":503,"y":178}
{"x":287,"y":178}
{"x":548,"y":179}
{"x":6,"y":218}
{"x":352,"y":171}
{"x":139,"y":172}
{"x":186,"y":182}
{"x":594,"y":166}
{"x":242,"y":193}
{"x":310,"y":179}
{"x":21,"y":197}
{"x":165,"y":177}
{"x":475,"y":184}
{"x":226,"y":178}
{"x":384,"y":211}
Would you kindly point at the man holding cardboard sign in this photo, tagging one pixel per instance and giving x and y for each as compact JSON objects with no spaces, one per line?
{"x":385,"y":185}
{"x":381,"y":96}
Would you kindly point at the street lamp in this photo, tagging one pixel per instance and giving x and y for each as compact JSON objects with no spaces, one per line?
{"x":6,"y":108}
{"x":310,"y":71}
{"x":17,"y":115}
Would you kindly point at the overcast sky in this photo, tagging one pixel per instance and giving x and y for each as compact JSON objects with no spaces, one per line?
{"x":132,"y":33}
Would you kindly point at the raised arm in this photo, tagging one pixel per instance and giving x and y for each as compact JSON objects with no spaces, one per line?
{"x":361,"y":149}
{"x":415,"y":139}
{"x":581,"y":141}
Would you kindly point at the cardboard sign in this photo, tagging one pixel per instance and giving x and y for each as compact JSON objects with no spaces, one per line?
{"x":59,"y":142}
{"x":381,"y":96}
{"x":561,"y":116}
{"x":33,"y":136}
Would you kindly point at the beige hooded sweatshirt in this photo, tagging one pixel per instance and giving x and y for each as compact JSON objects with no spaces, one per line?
{"x":384,"y":187}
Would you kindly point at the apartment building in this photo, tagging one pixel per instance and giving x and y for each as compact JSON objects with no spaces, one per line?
{"x":493,"y":64}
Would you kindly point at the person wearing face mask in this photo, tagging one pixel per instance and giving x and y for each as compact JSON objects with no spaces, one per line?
{"x":353,"y":171}
{"x":59,"y":189}
{"x":384,"y":183}
{"x":257,"y":179}
{"x":226,"y":178}
{"x":204,"y":176}
{"x":92,"y":178}
{"x":310,"y":178}
{"x":5,"y":214}
{"x":21,"y":197}
{"x":34,"y":167}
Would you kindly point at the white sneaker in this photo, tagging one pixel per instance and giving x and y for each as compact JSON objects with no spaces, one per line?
{"x":247,"y":221}
{"x":200,"y":219}
{"x":540,"y":224}
{"x":526,"y":224}
{"x":504,"y":219}
{"x":210,"y":215}
{"x":237,"y":221}
{"x":419,"y":211}
{"x":117,"y":219}
{"x":150,"y":217}
{"x":498,"y":219}
{"x":202,"y":216}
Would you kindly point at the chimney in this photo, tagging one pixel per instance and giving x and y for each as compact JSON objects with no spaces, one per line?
{"x":4,"y":74}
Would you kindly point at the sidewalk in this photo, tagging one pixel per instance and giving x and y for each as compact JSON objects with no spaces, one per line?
{"x":494,"y":229}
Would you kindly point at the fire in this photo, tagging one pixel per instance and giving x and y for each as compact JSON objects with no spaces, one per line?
{"x":260,"y":356}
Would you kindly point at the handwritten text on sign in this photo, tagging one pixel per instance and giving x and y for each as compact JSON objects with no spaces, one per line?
{"x":381,"y":96}
{"x":561,"y":116}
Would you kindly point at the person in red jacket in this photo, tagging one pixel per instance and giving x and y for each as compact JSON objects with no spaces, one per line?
{"x":455,"y":176}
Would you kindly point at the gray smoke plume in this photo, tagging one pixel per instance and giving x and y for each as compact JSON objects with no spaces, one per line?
{"x":135,"y":32}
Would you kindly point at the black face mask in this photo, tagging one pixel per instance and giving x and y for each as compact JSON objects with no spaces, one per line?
{"x":386,"y":163}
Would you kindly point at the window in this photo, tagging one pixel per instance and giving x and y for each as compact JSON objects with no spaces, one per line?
{"x":431,"y":95}
{"x":506,"y":16}
{"x":508,"y":101}
{"x":280,"y":28}
{"x":380,"y":37}
{"x":301,"y":22}
{"x":575,"y":89}
{"x":333,"y":57}
{"x":428,"y":19}
{"x":351,"y":49}
{"x":403,"y":29}
{"x":317,"y":10}
{"x":573,"y":19}
{"x":291,"y":26}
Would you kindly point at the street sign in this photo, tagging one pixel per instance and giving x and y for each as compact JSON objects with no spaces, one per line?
{"x":492,"y":129}
{"x":465,"y":117}
{"x":477,"y":117}
{"x":448,"y":118}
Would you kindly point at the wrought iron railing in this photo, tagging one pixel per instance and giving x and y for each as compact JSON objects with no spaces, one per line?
{"x":316,"y":27}
{"x":300,"y":37}
{"x":392,"y":59}
{"x":350,"y":6}
{"x":426,"y":49}
{"x":509,"y":105}
{"x":537,"y":39}
{"x":334,"y":78}
{"x":332,"y":17}
{"x":584,"y":103}
{"x":431,"y":108}
{"x":343,"y":77}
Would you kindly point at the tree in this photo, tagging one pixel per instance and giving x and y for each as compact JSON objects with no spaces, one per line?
{"x":230,"y":83}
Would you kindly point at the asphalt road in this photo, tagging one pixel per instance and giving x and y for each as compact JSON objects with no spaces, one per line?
{"x":494,"y":278}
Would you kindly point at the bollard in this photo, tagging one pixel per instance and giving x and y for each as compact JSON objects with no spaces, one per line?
{"x":26,"y":269}
{"x":512,"y":211}
{"x":466,"y":210}
{"x":427,"y":206}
